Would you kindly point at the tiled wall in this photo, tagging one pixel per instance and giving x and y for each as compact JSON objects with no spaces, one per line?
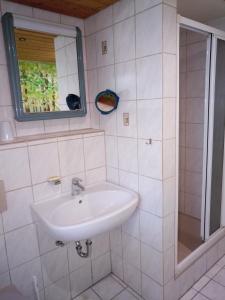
{"x":26,"y":250}
{"x":6,"y":111}
{"x":141,"y":67}
{"x":192,"y":91}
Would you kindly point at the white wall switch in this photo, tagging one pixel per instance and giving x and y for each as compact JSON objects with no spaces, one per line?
{"x":125,"y":119}
{"x":104,"y":47}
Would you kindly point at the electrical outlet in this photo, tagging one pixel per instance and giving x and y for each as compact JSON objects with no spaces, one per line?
{"x":104,"y":47}
{"x":125,"y":119}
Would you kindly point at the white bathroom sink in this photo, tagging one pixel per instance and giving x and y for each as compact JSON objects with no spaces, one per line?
{"x":98,"y":209}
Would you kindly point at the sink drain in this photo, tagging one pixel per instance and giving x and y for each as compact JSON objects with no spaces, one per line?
{"x":79,"y":248}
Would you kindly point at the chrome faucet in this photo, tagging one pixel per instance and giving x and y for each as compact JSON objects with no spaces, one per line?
{"x":76,"y":186}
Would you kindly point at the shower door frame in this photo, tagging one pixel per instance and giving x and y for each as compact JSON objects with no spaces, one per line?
{"x":207,"y":160}
{"x":218,"y":36}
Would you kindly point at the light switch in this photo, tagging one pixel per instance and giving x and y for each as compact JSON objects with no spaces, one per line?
{"x":125,"y":119}
{"x":104,"y":47}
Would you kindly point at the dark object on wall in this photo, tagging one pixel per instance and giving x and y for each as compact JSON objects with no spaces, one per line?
{"x":73,"y":102}
{"x":106,"y":102}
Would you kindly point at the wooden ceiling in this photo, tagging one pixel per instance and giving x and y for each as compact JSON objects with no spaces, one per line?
{"x":76,"y":8}
{"x":35,"y":46}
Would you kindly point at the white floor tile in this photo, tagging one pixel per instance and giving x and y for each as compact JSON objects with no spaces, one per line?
{"x":220,"y":277}
{"x":200,"y":297}
{"x":201,"y":283}
{"x":108,"y":288}
{"x":189,"y":295}
{"x":88,"y":295}
{"x":134,"y":294}
{"x":213,"y":271}
{"x":125,"y":295}
{"x":214,"y":291}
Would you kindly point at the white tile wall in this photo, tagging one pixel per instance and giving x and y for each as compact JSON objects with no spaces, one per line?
{"x":22,"y":276}
{"x":124,"y":35}
{"x":131,"y":161}
{"x":127,"y":149}
{"x":122,"y":10}
{"x":126,"y":80}
{"x":15,"y":159}
{"x":150,"y":110}
{"x":131,"y":130}
{"x":107,"y":59}
{"x":53,"y":271}
{"x":145,"y":22}
{"x":18,"y":212}
{"x":104,"y":18}
{"x":80,"y":279}
{"x":132,"y":276}
{"x":149,"y":77}
{"x":141,"y":5}
{"x":42,"y":164}
{"x":94,"y":159}
{"x":150,"y":158}
{"x":71,"y":156}
{"x":136,"y":154}
{"x":23,"y":253}
{"x":59,"y":290}
{"x":144,"y":73}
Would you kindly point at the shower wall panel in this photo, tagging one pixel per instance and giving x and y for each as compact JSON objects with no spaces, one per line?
{"x":192,"y":91}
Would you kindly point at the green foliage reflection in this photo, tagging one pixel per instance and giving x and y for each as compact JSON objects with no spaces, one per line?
{"x":38,"y":86}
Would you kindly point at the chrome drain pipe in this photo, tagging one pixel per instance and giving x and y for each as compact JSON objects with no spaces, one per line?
{"x":79,"y":248}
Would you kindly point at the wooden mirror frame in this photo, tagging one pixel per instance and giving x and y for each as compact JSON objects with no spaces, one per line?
{"x":14,"y":76}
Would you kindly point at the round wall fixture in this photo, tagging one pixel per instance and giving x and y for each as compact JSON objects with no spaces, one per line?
{"x":106,"y":102}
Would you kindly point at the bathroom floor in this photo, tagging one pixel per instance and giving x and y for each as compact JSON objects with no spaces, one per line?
{"x":211,"y":286}
{"x":109,"y":288}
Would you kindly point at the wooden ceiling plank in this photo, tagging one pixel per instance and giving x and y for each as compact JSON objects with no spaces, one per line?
{"x":75,"y":8}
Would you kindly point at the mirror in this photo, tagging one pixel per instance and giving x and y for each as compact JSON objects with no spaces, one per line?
{"x":106,"y":102}
{"x":46,"y":69}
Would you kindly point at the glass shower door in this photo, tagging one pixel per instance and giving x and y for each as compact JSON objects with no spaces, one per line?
{"x":217,"y":125}
{"x":193,"y":129}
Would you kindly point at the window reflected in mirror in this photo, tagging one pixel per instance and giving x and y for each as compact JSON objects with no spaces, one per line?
{"x":48,"y":71}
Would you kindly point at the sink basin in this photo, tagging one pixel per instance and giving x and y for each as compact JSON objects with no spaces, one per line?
{"x":98,"y":209}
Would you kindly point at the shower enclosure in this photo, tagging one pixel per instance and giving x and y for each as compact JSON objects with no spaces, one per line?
{"x":201,"y":115}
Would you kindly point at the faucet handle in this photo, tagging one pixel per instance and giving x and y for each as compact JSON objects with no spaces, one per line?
{"x":76,"y":180}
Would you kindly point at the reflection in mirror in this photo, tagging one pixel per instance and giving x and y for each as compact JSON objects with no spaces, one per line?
{"x":48,"y":71}
{"x":106,"y":101}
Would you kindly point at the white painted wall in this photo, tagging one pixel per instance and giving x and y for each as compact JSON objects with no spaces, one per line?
{"x":218,"y":23}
